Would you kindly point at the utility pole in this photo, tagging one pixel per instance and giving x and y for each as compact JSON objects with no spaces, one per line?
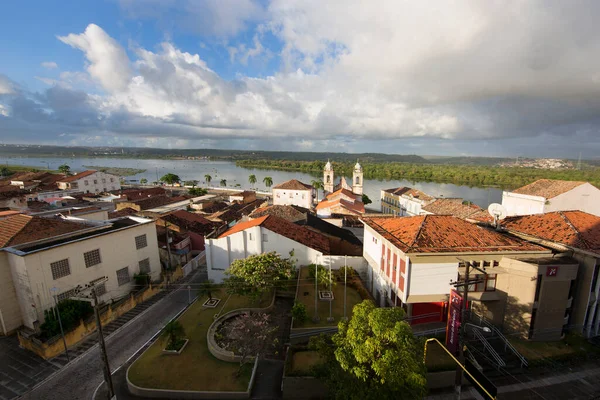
{"x":169,"y":252}
{"x":316,"y":317}
{"x":106,"y":366}
{"x":331,"y":299}
{"x":345,"y":278}
{"x":463,"y":313}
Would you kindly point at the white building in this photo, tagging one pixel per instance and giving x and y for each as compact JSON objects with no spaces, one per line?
{"x":40,"y":257}
{"x":90,"y":181}
{"x":546,"y":195}
{"x":294,"y":193}
{"x":402,"y":201}
{"x":267,"y":234}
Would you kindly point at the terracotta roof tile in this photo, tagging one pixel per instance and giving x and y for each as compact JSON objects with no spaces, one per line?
{"x":415,"y":193}
{"x":444,"y":234}
{"x":78,"y":176}
{"x":137,"y":194}
{"x":293,"y":184}
{"x":548,"y":188}
{"x":455,"y":207}
{"x":24,"y":228}
{"x":294,"y":232}
{"x":289,"y":213}
{"x":187,"y":221}
{"x":356,"y":207}
{"x":345,"y":192}
{"x":124,"y":212}
{"x":577,"y":229}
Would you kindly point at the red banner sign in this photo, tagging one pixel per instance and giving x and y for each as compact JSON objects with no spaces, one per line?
{"x":454,"y":321}
{"x":552,"y":271}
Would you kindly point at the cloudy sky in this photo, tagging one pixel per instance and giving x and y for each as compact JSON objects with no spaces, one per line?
{"x":494,"y":77}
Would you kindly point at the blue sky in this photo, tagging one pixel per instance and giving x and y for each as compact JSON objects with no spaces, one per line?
{"x":444,"y":78}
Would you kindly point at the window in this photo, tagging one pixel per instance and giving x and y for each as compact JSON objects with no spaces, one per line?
{"x":112,"y":180}
{"x":60,"y":268}
{"x":95,"y":181}
{"x":291,"y":195}
{"x":265,"y":238}
{"x":123,"y":276}
{"x":303,"y":196}
{"x":86,"y":183}
{"x":65,"y":295}
{"x":101,"y":289}
{"x":141,"y":241}
{"x":145,"y":266}
{"x":92,"y":258}
{"x":250,"y":237}
{"x":490,"y":283}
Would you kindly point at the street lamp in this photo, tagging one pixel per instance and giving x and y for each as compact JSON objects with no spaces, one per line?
{"x":483,"y":328}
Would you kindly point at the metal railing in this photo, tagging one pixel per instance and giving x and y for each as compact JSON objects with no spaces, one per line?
{"x":489,"y":347}
{"x":507,"y":344}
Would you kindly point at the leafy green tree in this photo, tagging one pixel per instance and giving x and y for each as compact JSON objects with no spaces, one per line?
{"x":374,"y":355}
{"x":170,"y":179}
{"x":252,"y":180}
{"x":223,"y":182}
{"x":366,"y":200}
{"x":4,"y":171}
{"x":197,"y":191}
{"x":207,"y":288}
{"x":64,"y":169}
{"x":318,"y":185}
{"x":173,"y":334}
{"x":299,"y":312}
{"x":191,"y":183}
{"x":322,"y":273}
{"x":259,"y":273}
{"x":207,"y":178}
{"x":143,"y":181}
{"x":268,"y":181}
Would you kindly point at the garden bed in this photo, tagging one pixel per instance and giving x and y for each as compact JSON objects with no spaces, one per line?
{"x":572,"y":349}
{"x":306,"y":296}
{"x":195,"y":368}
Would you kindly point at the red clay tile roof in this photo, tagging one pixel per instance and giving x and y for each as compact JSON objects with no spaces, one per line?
{"x":24,"y":228}
{"x":137,"y":194}
{"x":456,"y":208}
{"x":548,"y":188}
{"x":294,"y":232}
{"x":444,"y":234}
{"x":124,"y":212}
{"x":288,"y":213}
{"x":343,"y":191}
{"x":244,"y":194}
{"x":293,"y":184}
{"x":415,"y":193}
{"x":356,"y":207}
{"x":187,"y":221}
{"x":572,"y":228}
{"x":78,"y":176}
{"x":147,"y":203}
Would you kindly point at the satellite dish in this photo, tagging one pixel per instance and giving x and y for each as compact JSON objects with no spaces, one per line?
{"x":497,"y":211}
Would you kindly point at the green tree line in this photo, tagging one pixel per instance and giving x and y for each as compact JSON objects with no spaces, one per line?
{"x":472,"y":175}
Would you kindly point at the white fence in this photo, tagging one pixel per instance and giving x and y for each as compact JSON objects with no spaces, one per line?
{"x":193,"y":264}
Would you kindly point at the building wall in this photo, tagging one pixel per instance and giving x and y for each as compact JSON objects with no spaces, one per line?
{"x":522,"y":204}
{"x":10,"y":312}
{"x":400,"y":205}
{"x":301,"y":198}
{"x":96,"y":183}
{"x":432,"y":278}
{"x":584,"y":197}
{"x":100,"y":215}
{"x":32,"y":274}
{"x":17,"y":202}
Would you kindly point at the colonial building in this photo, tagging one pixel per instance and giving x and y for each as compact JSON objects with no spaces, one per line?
{"x":546,"y":195}
{"x":294,"y":193}
{"x":41,"y":257}
{"x":341,"y":199}
{"x":90,"y":181}
{"x":403,"y":201}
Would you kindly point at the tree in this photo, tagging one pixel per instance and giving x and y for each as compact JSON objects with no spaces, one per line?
{"x":207,"y":178}
{"x":173,"y":333}
{"x":143,"y":181}
{"x":318,"y":185}
{"x":252,"y":180}
{"x":170,"y":179}
{"x":4,"y":171}
{"x":197,"y":191}
{"x":374,"y":355}
{"x":322,"y":273}
{"x":249,"y":334}
{"x":207,"y":288}
{"x":366,"y":200}
{"x":256,"y":274}
{"x":64,"y":169}
{"x":299,"y":312}
{"x":268,"y":181}
{"x":223,"y":182}
{"x":191,"y":183}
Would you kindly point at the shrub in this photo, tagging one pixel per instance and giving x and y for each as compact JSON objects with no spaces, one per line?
{"x":350,"y":274}
{"x":299,"y":312}
{"x":141,"y":279}
{"x":71,"y":312}
{"x":323,"y":276}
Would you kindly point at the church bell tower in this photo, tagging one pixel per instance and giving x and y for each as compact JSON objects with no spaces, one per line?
{"x":357,"y":179}
{"x":328,"y":178}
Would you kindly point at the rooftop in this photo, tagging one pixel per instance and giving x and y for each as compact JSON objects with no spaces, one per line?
{"x":137,"y":194}
{"x":21,"y":228}
{"x":548,"y":188}
{"x":287,"y":229}
{"x":356,"y":207}
{"x":455,"y":207}
{"x":576,"y":229}
{"x":124,"y":212}
{"x":290,"y":213}
{"x":187,"y":221}
{"x":293,"y":184}
{"x":148,"y":203}
{"x":414,"y":193}
{"x":78,"y":176}
{"x":444,"y":234}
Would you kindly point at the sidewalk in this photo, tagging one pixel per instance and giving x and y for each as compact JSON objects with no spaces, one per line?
{"x":580,"y":384}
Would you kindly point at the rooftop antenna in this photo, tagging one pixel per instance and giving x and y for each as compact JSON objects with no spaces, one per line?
{"x":498,"y":212}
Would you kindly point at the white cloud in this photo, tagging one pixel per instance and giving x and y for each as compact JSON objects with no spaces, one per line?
{"x":6,"y":85}
{"x":49,"y":64}
{"x":107,"y":61}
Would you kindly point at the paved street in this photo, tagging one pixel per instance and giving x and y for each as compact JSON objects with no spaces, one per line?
{"x":79,"y":379}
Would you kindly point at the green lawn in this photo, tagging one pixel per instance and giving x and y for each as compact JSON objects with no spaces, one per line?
{"x":571,"y":345}
{"x":306,"y":295}
{"x":195,"y":368}
{"x":302,"y":361}
{"x":438,"y":359}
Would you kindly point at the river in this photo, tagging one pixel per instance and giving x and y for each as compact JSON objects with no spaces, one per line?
{"x":196,"y":169}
